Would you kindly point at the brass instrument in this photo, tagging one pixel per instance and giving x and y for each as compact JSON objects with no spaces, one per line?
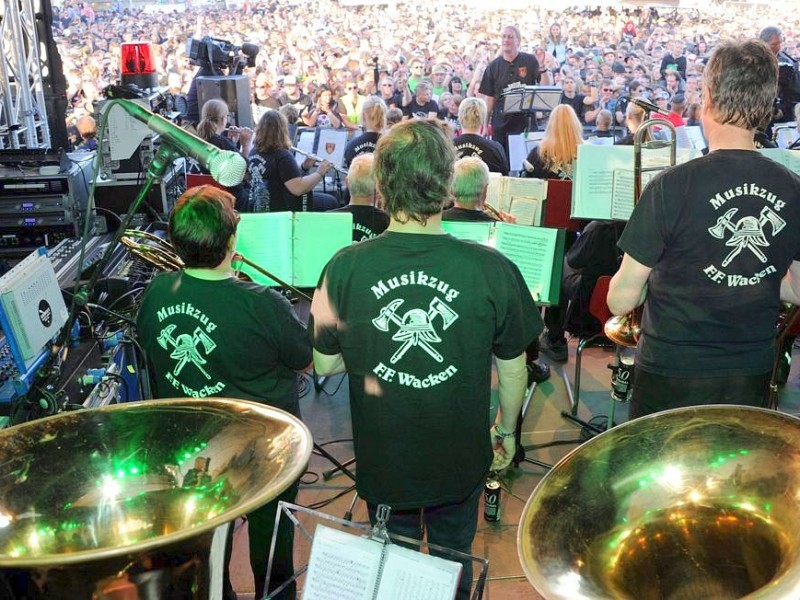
{"x":151,"y":249}
{"x":625,"y":330}
{"x":316,"y":158}
{"x":492,"y":212}
{"x":161,"y":254}
{"x":101,"y":503}
{"x":687,"y":504}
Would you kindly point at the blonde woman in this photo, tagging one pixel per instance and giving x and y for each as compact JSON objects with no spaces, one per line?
{"x":472,"y":115}
{"x":555,"y":155}
{"x":373,"y":116}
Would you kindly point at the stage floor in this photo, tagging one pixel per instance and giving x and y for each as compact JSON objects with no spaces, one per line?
{"x":327,"y":415}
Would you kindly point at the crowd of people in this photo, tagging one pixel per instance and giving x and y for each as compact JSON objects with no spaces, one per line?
{"x":343,"y":54}
{"x":466,"y":307}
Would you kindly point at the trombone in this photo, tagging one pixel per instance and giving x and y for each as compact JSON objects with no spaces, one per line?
{"x":318,"y":159}
{"x":625,"y":330}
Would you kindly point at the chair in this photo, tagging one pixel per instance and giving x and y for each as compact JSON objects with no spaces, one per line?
{"x":598,"y":308}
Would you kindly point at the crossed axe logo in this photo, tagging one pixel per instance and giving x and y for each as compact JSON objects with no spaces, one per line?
{"x":185,"y":348}
{"x":748,"y":232}
{"x":415,"y":328}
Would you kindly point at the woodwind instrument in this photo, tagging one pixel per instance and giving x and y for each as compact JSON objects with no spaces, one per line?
{"x":318,"y":159}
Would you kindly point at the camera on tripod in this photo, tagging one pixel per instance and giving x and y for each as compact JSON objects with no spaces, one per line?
{"x":221,"y":54}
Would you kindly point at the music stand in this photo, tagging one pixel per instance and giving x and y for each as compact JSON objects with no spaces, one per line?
{"x":530,"y":99}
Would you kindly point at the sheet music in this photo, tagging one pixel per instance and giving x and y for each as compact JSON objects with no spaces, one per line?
{"x":495,"y":191}
{"x":317,"y":237}
{"x":623,"y":196}
{"x":305,"y":143}
{"x":342,"y":566}
{"x":266,"y":239}
{"x":532,"y":249}
{"x":593,"y":184}
{"x":526,"y":209}
{"x":517,"y":151}
{"x":473,"y":231}
{"x":411,"y":575}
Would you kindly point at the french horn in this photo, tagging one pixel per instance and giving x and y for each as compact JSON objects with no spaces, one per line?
{"x":96,"y":504}
{"x":688,"y":504}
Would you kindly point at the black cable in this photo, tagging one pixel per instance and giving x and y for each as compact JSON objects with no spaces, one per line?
{"x":336,"y":391}
{"x":125,"y":385}
{"x":324,"y":503}
{"x":113,"y":313}
{"x":340,"y":441}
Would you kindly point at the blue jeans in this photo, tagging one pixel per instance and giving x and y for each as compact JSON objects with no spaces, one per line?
{"x":451,"y":526}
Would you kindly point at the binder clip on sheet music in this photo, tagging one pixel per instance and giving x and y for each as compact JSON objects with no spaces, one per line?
{"x":344,"y":565}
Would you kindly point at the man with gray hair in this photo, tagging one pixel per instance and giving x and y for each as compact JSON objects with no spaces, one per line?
{"x":415,"y":317}
{"x":470,"y":184}
{"x":368,"y":220}
{"x":788,"y":90}
{"x":711,"y":250}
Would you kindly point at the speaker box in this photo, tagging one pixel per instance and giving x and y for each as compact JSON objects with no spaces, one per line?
{"x":234,"y":90}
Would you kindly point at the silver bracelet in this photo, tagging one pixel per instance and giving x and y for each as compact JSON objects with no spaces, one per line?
{"x":502,"y":434}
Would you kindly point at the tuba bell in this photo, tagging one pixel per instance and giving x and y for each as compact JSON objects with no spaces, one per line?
{"x":688,"y":504}
{"x":97,"y":504}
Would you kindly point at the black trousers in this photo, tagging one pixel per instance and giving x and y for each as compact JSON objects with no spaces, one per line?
{"x":654,"y":393}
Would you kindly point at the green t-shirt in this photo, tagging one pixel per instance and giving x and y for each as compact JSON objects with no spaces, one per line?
{"x":226,"y":338}
{"x":419,"y":318}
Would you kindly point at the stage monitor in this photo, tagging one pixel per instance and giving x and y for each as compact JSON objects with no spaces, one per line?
{"x":32,"y":309}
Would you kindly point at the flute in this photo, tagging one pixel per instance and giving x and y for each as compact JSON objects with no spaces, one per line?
{"x":316,"y":158}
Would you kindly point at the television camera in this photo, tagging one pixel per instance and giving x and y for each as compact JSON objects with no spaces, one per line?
{"x":221,"y":54}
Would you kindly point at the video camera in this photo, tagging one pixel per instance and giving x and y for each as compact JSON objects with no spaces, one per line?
{"x":220,"y":54}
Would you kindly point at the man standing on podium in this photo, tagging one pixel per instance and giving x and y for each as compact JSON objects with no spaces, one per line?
{"x":416,"y":317}
{"x":711,"y":248}
{"x":511,"y":66}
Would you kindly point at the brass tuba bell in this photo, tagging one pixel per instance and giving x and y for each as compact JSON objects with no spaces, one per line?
{"x":687,"y":504}
{"x":99,"y":504}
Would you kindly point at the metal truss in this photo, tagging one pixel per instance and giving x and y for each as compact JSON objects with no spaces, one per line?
{"x":23,"y":118}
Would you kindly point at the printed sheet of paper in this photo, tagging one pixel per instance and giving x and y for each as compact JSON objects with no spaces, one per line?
{"x":593,"y":184}
{"x":474,"y":231}
{"x":526,"y":210}
{"x":532,"y":249}
{"x":411,"y":575}
{"x":342,"y":566}
{"x":317,"y":237}
{"x":266,"y":239}
{"x":125,"y":133}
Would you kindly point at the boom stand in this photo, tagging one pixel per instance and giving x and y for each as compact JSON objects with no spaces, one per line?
{"x":519,"y":455}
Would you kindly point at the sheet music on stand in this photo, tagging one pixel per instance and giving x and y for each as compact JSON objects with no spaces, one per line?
{"x":530,"y":98}
{"x":353,"y":561}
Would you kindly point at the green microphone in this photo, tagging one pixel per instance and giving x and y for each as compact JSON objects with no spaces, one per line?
{"x":225,"y":166}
